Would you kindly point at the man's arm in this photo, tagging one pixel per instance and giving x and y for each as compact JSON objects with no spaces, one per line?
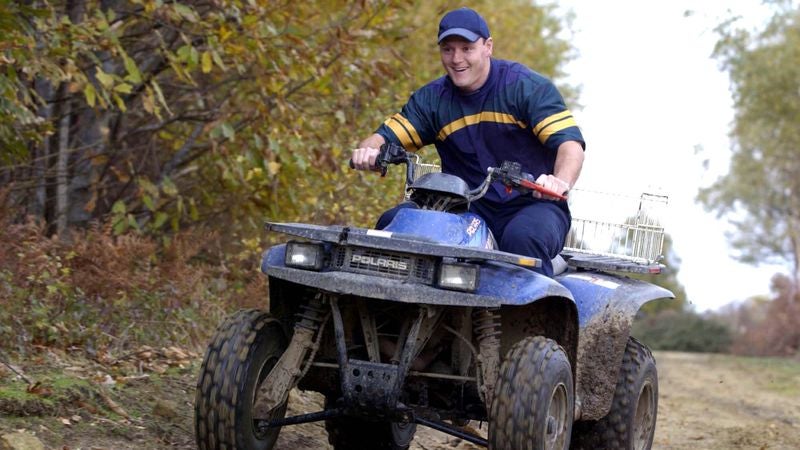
{"x":569,"y":162}
{"x":364,"y":156}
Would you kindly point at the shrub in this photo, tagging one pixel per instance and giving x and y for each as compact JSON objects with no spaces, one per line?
{"x":110,"y":293}
{"x":682,"y":331}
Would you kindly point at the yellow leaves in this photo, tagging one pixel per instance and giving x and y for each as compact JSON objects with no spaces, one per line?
{"x":224,"y":33}
{"x":106,"y":80}
{"x":148,"y":102}
{"x":160,"y":95}
{"x":186,"y":12}
{"x":273,"y":168}
{"x":90,"y":93}
{"x":168,"y":187}
{"x":134,"y":76}
{"x":254,"y":173}
{"x":206,"y":63}
{"x":120,"y":102}
{"x":123,"y":88}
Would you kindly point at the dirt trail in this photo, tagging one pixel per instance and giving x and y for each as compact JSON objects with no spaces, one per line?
{"x":711,"y":402}
{"x":719,"y":402}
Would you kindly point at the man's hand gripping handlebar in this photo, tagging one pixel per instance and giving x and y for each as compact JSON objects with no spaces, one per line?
{"x":511,"y":175}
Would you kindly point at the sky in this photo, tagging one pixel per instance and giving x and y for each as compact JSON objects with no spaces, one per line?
{"x":651,"y":95}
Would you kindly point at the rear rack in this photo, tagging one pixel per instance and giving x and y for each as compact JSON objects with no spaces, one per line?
{"x":616,"y":231}
{"x":610,"y":231}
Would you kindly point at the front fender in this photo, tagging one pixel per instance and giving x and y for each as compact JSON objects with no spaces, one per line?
{"x":607,"y":305}
{"x":500,"y":284}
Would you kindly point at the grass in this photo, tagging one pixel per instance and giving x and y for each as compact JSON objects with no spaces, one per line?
{"x":781,"y":375}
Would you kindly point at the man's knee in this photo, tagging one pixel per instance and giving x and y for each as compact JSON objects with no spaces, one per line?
{"x":525,"y":240}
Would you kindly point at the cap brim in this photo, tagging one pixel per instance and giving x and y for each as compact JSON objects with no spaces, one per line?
{"x":462,"y":32}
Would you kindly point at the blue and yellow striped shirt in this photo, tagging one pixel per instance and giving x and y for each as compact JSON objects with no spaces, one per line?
{"x":517,"y":115}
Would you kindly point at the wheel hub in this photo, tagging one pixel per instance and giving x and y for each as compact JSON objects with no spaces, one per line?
{"x":645,"y":412}
{"x":556,"y":422}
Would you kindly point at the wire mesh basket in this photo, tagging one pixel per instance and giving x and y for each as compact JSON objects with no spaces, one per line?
{"x":617,"y":225}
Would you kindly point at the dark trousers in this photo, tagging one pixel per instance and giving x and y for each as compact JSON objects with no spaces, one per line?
{"x":523,"y":226}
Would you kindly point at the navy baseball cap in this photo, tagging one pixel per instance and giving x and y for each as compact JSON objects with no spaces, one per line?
{"x":463,"y":22}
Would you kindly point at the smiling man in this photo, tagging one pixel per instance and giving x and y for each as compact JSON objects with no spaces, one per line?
{"x":482,"y":112}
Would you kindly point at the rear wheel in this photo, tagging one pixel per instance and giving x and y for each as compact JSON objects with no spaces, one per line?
{"x":534,"y":398}
{"x":631,"y":422}
{"x":349,"y":433}
{"x":243,"y":351}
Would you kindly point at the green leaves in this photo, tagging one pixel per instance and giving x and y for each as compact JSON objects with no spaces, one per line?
{"x":761,"y":193}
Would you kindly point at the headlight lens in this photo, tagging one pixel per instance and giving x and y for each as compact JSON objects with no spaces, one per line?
{"x":304,"y":255}
{"x":461,"y":277}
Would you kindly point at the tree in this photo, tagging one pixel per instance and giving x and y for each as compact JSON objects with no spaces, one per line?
{"x":761,"y":192}
{"x":222,"y":113}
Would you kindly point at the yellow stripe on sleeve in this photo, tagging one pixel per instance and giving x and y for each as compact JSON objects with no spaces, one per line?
{"x":549,"y":120}
{"x":402,"y":135}
{"x":410,"y":129}
{"x":555,"y":127}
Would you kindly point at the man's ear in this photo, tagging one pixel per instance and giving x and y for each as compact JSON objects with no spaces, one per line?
{"x":489,"y":45}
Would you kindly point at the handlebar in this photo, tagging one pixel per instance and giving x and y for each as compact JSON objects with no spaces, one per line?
{"x":509,"y":173}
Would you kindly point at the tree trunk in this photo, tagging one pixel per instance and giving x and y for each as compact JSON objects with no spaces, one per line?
{"x":62,"y":167}
{"x":75,"y":11}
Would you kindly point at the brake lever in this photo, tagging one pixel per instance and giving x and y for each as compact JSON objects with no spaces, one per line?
{"x":510,"y":174}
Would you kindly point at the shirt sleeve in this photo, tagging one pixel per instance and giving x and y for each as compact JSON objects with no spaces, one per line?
{"x":551,"y":121}
{"x":411,"y":127}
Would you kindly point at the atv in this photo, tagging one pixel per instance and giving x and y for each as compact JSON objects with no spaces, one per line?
{"x":426,"y":322}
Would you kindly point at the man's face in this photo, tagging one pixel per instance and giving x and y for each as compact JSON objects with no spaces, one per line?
{"x":467,"y":63}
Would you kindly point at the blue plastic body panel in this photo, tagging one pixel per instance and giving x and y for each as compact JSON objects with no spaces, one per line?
{"x":466,"y":229}
{"x":607,"y":305}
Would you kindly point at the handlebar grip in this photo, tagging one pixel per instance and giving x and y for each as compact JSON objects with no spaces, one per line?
{"x":542,"y":190}
{"x":382,"y":170}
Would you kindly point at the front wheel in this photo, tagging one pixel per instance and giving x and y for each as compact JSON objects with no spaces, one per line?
{"x":631,"y":422}
{"x":533,"y":402}
{"x":243,"y":351}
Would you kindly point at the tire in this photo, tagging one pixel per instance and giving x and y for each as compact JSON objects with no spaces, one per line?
{"x":243,"y":351}
{"x":349,"y":433}
{"x":534,"y":400}
{"x":631,"y":422}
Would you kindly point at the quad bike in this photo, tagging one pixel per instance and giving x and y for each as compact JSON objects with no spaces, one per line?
{"x":426,"y":323}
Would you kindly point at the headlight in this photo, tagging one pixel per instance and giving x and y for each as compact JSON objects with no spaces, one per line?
{"x":461,"y":277}
{"x":304,"y":255}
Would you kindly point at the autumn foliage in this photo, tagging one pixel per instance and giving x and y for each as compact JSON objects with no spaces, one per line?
{"x":768,"y":327}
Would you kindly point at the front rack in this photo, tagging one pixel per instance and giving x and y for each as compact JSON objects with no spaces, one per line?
{"x":421,"y":169}
{"x":610,"y":231}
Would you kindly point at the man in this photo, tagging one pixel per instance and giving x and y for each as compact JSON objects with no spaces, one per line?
{"x":485,"y":111}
